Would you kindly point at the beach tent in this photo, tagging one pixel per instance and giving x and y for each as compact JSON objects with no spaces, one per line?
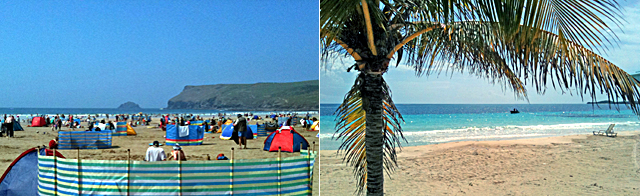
{"x":272,"y":116}
{"x":255,"y":117}
{"x":38,"y":122}
{"x":184,"y":135}
{"x":21,"y":177}
{"x":287,"y":139}
{"x":84,"y":139}
{"x":227,"y":132}
{"x":223,"y":127}
{"x":131,"y":131}
{"x":17,"y":126}
{"x":121,"y":129}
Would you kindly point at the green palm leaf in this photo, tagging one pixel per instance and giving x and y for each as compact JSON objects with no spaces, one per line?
{"x":544,"y":58}
{"x":508,"y":42}
{"x":350,"y":127}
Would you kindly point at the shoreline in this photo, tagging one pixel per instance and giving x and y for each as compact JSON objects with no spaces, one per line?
{"x":518,"y":140}
{"x":557,"y":165}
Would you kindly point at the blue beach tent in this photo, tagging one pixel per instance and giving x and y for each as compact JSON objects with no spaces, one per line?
{"x":227,"y":131}
{"x":17,"y":126}
{"x":21,"y":177}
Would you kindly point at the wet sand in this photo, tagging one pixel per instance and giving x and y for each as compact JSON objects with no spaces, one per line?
{"x":565,"y":165}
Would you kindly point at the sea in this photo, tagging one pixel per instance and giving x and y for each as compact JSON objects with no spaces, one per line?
{"x":441,"y":123}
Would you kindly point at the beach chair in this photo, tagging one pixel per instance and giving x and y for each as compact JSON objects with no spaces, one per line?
{"x":609,"y":132}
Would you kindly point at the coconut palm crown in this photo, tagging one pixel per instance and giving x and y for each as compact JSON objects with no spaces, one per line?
{"x":508,"y":42}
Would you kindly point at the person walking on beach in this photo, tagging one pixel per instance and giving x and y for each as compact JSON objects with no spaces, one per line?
{"x":155,"y":153}
{"x":177,"y":154}
{"x":9,"y":125}
{"x":241,"y":126}
{"x":58,"y":125}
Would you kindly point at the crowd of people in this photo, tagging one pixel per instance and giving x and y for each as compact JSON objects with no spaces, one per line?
{"x":155,"y":152}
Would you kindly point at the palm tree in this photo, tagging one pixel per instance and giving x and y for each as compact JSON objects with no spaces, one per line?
{"x":509,"y":42}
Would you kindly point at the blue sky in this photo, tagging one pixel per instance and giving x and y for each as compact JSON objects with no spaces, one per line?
{"x":99,"y":54}
{"x":468,"y":89}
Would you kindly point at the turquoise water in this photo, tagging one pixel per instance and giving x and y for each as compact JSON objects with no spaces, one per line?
{"x":440,"y":123}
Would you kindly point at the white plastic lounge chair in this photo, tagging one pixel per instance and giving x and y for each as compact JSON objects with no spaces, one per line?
{"x":609,"y":132}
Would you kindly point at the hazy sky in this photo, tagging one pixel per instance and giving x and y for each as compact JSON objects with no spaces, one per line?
{"x":465,"y":88}
{"x":99,"y":54}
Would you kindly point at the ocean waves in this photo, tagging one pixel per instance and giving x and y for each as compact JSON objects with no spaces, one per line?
{"x":423,"y":137}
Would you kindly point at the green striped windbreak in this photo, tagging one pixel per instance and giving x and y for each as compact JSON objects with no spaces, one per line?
{"x":287,"y":176}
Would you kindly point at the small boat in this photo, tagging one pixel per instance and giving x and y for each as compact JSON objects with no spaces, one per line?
{"x":514,"y":111}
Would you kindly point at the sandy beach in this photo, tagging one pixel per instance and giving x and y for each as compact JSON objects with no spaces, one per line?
{"x":10,"y":148}
{"x":564,"y":165}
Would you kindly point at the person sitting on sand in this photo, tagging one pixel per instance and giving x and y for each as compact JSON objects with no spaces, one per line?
{"x":102,"y":125}
{"x":111,"y":126}
{"x":155,"y":153}
{"x":53,"y":144}
{"x":177,"y":154}
{"x":206,"y":126}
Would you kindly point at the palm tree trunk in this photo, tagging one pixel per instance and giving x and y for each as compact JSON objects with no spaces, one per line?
{"x":374,"y":138}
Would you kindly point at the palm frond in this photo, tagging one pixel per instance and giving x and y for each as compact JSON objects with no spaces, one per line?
{"x":543,"y":59}
{"x":351,"y":125}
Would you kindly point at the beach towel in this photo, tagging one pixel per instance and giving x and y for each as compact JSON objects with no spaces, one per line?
{"x":183,"y":131}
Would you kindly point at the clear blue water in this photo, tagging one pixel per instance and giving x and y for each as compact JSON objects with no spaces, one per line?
{"x":440,"y":123}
